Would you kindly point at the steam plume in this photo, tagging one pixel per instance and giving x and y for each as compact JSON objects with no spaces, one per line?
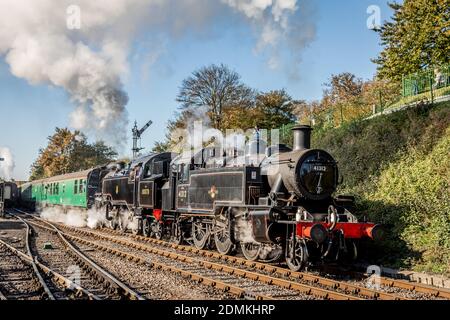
{"x":7,"y":165}
{"x":91,"y":62}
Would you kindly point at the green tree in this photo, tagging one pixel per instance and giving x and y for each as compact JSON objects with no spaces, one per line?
{"x":343,"y":95}
{"x":274,"y":109}
{"x":67,"y":152}
{"x":418,"y":36}
{"x":214,"y":87}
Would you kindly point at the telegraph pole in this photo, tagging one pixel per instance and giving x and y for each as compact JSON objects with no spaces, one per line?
{"x":137,"y":136}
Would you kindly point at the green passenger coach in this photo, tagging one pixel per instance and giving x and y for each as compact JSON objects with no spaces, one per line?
{"x":73,"y":190}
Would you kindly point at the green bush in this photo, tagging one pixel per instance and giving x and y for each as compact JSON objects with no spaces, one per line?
{"x":415,"y":196}
{"x":397,"y":167}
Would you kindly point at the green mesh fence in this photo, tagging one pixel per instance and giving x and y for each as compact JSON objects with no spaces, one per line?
{"x":426,"y":80}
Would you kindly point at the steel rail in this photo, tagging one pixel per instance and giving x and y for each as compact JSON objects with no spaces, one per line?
{"x":280,"y":271}
{"x":416,"y":287}
{"x":32,"y":261}
{"x":119,"y":285}
{"x":287,"y":284}
{"x":283,"y":272}
{"x":371,"y":293}
{"x":58,"y":277}
{"x":402,"y":284}
{"x":237,"y":291}
{"x":64,"y":281}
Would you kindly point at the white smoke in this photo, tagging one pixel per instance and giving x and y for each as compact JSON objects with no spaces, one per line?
{"x":7,"y":165}
{"x":91,"y":218}
{"x":280,"y":23}
{"x":72,"y":218}
{"x":95,"y":219}
{"x":244,"y":231}
{"x":42,"y":44}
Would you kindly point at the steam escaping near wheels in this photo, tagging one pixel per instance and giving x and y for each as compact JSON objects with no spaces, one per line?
{"x":91,"y":218}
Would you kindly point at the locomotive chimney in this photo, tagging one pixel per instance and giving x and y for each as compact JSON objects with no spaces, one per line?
{"x":302,"y":137}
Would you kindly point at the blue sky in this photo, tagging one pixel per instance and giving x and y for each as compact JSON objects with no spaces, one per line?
{"x":28,"y":114}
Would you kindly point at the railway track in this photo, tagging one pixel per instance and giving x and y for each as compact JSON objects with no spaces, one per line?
{"x":238,"y":282}
{"x":395,"y":284}
{"x":403,"y":287}
{"x":18,"y":279}
{"x":306,"y":285}
{"x":391,"y":289}
{"x":97,"y":283}
{"x":176,"y":258}
{"x":219,"y":280}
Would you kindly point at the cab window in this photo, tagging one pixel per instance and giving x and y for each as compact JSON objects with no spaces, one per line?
{"x":148,"y":170}
{"x":184,"y":172}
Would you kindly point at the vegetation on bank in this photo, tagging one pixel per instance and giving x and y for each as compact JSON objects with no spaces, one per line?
{"x":398,"y":168}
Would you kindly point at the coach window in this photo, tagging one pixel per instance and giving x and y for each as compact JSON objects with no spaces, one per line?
{"x":80,"y":187}
{"x":75,"y":188}
{"x":57,"y":188}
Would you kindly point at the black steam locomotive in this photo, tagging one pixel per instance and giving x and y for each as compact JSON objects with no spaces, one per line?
{"x":270,"y":202}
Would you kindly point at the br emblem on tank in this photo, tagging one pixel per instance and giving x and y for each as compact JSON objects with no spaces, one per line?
{"x":213,"y":192}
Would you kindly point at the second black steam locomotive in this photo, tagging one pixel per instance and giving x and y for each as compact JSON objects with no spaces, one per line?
{"x":270,"y":202}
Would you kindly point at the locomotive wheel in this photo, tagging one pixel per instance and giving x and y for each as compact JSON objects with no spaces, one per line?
{"x":296,"y":255}
{"x":177,"y":233}
{"x":146,"y":227}
{"x":222,"y":238}
{"x":200,"y":234}
{"x":251,"y":250}
{"x":223,"y":233}
{"x":223,"y":242}
{"x":157,"y":230}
